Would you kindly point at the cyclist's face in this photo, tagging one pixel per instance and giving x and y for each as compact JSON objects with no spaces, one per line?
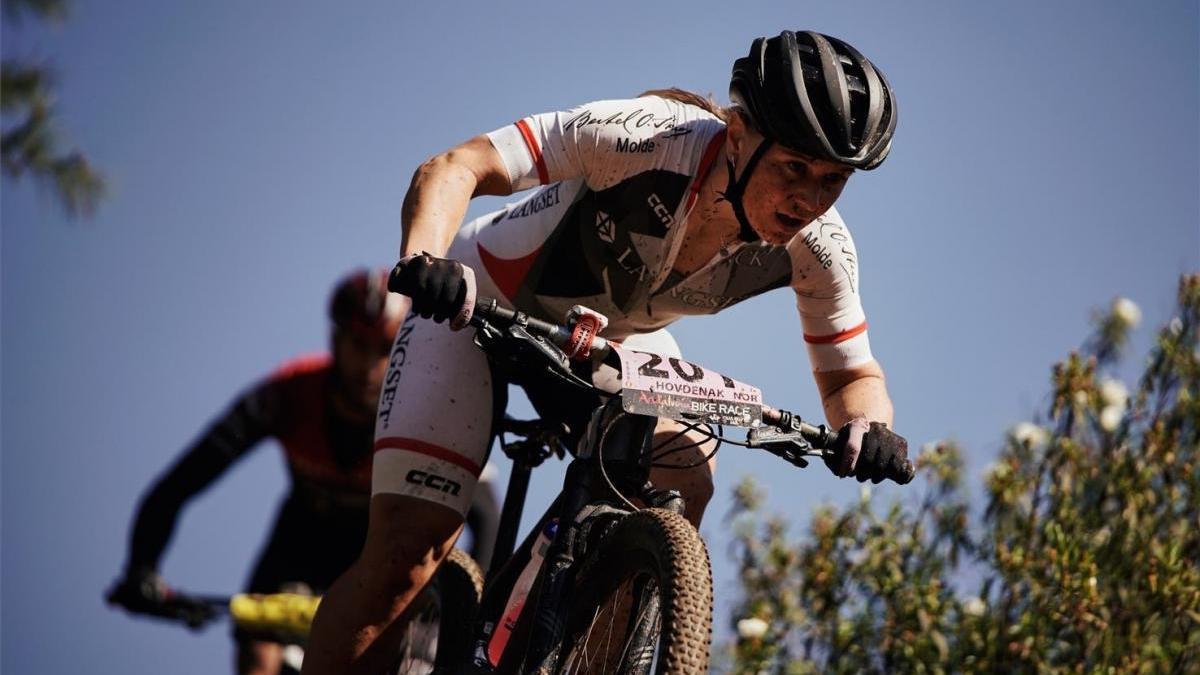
{"x":360,"y":362}
{"x":787,"y":190}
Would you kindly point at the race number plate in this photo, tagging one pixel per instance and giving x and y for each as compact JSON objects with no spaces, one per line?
{"x":666,"y":386}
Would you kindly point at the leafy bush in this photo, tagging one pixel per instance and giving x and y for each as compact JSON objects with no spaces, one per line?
{"x":1085,"y":558}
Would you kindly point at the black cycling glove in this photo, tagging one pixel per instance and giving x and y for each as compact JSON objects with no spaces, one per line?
{"x":141,"y":590}
{"x":440,"y":289}
{"x":870,"y":451}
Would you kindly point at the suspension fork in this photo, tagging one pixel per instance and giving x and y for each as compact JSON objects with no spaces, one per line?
{"x":620,"y":439}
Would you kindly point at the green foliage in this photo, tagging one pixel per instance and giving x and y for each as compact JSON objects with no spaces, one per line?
{"x":1085,"y":559}
{"x":29,"y":143}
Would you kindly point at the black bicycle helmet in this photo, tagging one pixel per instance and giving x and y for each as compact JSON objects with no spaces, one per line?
{"x":361,"y":303}
{"x":817,"y":95}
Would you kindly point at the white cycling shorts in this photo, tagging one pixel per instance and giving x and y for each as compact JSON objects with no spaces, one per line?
{"x":433,"y":425}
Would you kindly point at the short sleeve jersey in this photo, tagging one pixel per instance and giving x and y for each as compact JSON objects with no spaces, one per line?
{"x":616,"y":182}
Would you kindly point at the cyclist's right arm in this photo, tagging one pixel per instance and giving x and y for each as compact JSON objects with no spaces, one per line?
{"x":442,"y":187}
{"x":536,"y":150}
{"x":226,"y":440}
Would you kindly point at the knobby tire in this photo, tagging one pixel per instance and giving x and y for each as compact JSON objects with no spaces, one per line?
{"x":656,"y":560}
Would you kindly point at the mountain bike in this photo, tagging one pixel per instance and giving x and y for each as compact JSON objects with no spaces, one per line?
{"x":613,"y":579}
{"x":434,"y":638}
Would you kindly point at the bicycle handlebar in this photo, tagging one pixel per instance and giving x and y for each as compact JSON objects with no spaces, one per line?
{"x":283,"y":617}
{"x":488,"y":310}
{"x":795,"y":440}
{"x":276,"y":617}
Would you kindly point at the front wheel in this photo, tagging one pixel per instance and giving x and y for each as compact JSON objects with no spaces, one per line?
{"x":642,"y":602}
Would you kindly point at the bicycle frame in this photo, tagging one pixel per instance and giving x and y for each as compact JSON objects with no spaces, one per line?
{"x":611,"y":454}
{"x":613,"y":459}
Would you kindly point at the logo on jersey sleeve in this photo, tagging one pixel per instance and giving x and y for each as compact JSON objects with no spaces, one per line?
{"x":829,"y":243}
{"x":631,"y":146}
{"x":628,"y":120}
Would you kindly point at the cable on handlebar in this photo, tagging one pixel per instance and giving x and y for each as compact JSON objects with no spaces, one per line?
{"x":686,"y":428}
{"x":707,"y":432}
{"x":604,"y":472}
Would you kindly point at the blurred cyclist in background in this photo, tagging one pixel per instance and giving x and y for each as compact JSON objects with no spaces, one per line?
{"x":321,"y":409}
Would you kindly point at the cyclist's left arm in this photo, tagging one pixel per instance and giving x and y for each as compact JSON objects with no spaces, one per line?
{"x":826,"y":282}
{"x":858,"y":391}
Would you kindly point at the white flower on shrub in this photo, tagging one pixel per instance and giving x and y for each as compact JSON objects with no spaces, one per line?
{"x":1127,"y":312}
{"x":858,"y":556}
{"x":1029,"y":434}
{"x":1175,"y":326}
{"x":1080,"y":398}
{"x":1110,"y":418}
{"x":975,"y":607}
{"x":752,"y":628}
{"x":1114,"y":393}
{"x":996,"y":470}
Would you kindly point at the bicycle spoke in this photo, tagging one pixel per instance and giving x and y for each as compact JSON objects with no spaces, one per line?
{"x":604,"y":646}
{"x":646,"y":607}
{"x":419,"y":647}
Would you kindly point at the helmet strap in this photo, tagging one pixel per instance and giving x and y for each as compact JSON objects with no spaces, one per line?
{"x":737,"y":188}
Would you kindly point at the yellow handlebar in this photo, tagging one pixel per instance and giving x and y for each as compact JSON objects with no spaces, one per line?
{"x":286,"y":614}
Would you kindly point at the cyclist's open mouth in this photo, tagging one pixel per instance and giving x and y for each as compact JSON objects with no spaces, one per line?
{"x":790,"y":222}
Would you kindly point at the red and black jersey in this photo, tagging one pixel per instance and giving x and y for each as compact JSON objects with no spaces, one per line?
{"x":328,"y":458}
{"x":323,"y":452}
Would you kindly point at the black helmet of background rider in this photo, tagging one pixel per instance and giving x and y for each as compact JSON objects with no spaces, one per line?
{"x":365,"y":320}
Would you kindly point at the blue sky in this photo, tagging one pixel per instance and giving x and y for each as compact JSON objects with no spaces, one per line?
{"x":1046,"y":161}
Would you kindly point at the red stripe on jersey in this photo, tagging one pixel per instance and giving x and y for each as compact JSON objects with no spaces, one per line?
{"x":427,"y":449}
{"x":836,"y":337}
{"x":706,"y":161}
{"x":507,"y":273}
{"x":534,"y":151}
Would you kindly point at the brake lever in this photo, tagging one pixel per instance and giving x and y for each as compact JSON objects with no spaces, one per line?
{"x":552,"y":354}
{"x":788,"y":445}
{"x":557,"y":363}
{"x":487,"y":335}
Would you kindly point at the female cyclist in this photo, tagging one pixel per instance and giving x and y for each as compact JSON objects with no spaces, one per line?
{"x":648,"y":210}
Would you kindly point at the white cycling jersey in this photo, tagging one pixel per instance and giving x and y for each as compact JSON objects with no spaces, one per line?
{"x":618,"y":180}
